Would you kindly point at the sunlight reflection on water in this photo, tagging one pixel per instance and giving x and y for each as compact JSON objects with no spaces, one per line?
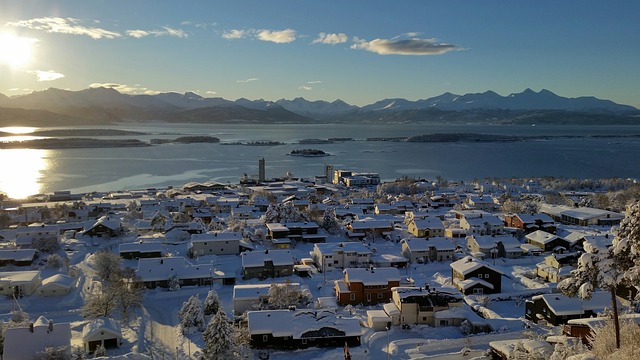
{"x":22,"y":170}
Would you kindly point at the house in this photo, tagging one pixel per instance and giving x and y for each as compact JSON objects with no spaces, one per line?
{"x":426,"y":228}
{"x":582,"y":216}
{"x":299,"y":329}
{"x":557,"y":267}
{"x":557,"y":309}
{"x":366,"y":286}
{"x":106,"y":226}
{"x":480,"y":202}
{"x":473,"y":276}
{"x":361,"y":228}
{"x":17,"y":257}
{"x":102,"y":331}
{"x":19,"y":283}
{"x":482,"y":225}
{"x":140,"y":249}
{"x":56,"y":285}
{"x":215,"y":243}
{"x":26,"y":235}
{"x":250,"y":296}
{"x":328,"y":256}
{"x":157,"y":272}
{"x":546,"y":241}
{"x":23,"y":343}
{"x":419,"y":250}
{"x":267,"y":264}
{"x":378,"y":320}
{"x":419,"y":305}
{"x":305,"y":231}
{"x":494,"y":246}
{"x":530,"y":223}
{"x":585,"y":328}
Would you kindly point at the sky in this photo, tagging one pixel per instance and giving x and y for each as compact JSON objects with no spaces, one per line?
{"x":356,"y":50}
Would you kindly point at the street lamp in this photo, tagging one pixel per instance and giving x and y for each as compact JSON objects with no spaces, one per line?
{"x":388,"y":353}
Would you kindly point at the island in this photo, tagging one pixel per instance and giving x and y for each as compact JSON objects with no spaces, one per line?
{"x":308,"y":153}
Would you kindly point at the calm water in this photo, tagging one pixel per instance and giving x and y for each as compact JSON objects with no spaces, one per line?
{"x":82,"y":170}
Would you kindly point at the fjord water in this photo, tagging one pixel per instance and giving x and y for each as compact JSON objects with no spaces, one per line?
{"x":103,"y":169}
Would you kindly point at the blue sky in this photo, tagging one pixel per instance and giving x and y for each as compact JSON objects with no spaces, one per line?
{"x":357,"y":51}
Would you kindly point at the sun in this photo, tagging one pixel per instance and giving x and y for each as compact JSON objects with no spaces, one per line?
{"x":15,"y":51}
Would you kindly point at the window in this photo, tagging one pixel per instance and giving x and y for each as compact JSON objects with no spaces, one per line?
{"x":486,"y":276}
{"x":352,"y":296}
{"x":477,"y":291}
{"x":444,"y":322}
{"x":304,"y":341}
{"x":424,"y":318}
{"x":265,"y":338}
{"x":335,"y":262}
{"x":479,"y":276}
{"x":379,"y":295}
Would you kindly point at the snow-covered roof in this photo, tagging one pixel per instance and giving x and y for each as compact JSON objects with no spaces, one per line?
{"x":468,"y":264}
{"x":471,"y":282}
{"x":391,"y":309}
{"x":326,"y":248}
{"x":429,"y":223}
{"x":19,"y":277}
{"x":17,"y":254}
{"x":296,"y":324}
{"x":368,"y":223}
{"x":378,"y":276}
{"x":101,"y":324}
{"x":563,"y":305}
{"x":255,"y":291}
{"x":159,"y":269}
{"x":257,"y":258}
{"x":21,"y":343}
{"x":276,"y":227}
{"x":217,"y":236}
{"x":60,"y":280}
{"x":441,"y":243}
{"x":416,"y":244}
{"x":378,"y":316}
{"x":528,"y":218}
{"x":541,"y":237}
{"x":142,"y":247}
{"x":507,"y":347}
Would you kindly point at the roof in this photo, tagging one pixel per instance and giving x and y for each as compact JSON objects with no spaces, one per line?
{"x":159,"y":269}
{"x":101,"y":324}
{"x":140,"y":247}
{"x":541,"y":237}
{"x":19,"y":277}
{"x":217,"y":236}
{"x":255,"y":291}
{"x":297,"y":324}
{"x":429,"y":223}
{"x":257,"y":258}
{"x":17,"y":254}
{"x":358,"y":247}
{"x":563,"y":305}
{"x":22,"y":344}
{"x":468,"y":264}
{"x":59,"y":279}
{"x":378,"y":276}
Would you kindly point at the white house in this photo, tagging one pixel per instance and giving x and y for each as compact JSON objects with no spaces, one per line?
{"x":340,"y":255}
{"x":215,"y":243}
{"x":419,"y":250}
{"x":56,"y":285}
{"x":103,"y":332}
{"x":25,"y":235}
{"x":247,"y":297}
{"x":19,"y":283}
{"x":23,"y":343}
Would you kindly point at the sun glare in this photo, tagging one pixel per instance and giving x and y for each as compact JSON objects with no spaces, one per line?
{"x":15,"y":51}
{"x":22,"y":171}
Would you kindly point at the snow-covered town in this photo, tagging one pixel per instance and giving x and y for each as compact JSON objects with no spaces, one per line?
{"x":339,"y":266}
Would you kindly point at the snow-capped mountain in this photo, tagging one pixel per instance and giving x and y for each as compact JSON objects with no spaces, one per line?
{"x":105,"y":105}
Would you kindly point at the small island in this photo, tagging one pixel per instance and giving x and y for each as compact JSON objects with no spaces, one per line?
{"x":308,"y":153}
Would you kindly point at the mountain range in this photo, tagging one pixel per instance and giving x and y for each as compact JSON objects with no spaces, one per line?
{"x":100,"y":106}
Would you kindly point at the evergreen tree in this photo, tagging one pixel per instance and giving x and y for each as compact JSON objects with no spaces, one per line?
{"x":174,"y":283}
{"x":211,"y":303}
{"x":219,"y":338}
{"x":330,"y":221}
{"x":192,"y":315}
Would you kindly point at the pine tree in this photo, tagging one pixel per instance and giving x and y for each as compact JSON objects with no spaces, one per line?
{"x":330,"y":221}
{"x":192,"y":315}
{"x":211,"y":303}
{"x":219,"y":338}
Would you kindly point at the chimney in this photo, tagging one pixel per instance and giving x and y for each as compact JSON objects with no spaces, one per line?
{"x":30,"y":327}
{"x":50,"y":325}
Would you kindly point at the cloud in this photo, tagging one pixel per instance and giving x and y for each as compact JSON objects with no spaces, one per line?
{"x":65,"y":26}
{"x":314,"y":82}
{"x":305,"y":87}
{"x":247,"y":80}
{"x":210,"y":92}
{"x":48,"y":75}
{"x":167,"y":31}
{"x":236,"y":34}
{"x":413,"y":46}
{"x":277,"y":36}
{"x":330,"y":39}
{"x":126,"y":89}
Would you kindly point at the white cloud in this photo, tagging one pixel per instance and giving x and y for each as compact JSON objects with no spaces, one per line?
{"x":65,"y":26}
{"x":167,"y":31}
{"x":314,"y":82}
{"x":330,"y":39}
{"x":48,"y":75}
{"x":236,"y":34}
{"x":305,"y":87}
{"x":277,"y":36}
{"x":210,"y":92}
{"x":413,"y":46}
{"x":126,"y":89}
{"x":247,"y":80}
